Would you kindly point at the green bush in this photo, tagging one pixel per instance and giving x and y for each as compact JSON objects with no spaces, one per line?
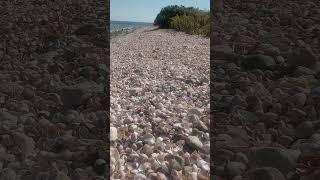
{"x":187,"y":19}
{"x":184,"y":23}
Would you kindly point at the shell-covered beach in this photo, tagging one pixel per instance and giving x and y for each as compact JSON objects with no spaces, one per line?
{"x":159,"y":105}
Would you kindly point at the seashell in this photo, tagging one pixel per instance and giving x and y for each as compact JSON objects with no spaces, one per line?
{"x":161,"y":176}
{"x":195,"y":168}
{"x":203,"y":165}
{"x":192,"y":176}
{"x":114,"y":153}
{"x":147,"y":149}
{"x":176,"y":175}
{"x":203,"y":175}
{"x":123,"y":133}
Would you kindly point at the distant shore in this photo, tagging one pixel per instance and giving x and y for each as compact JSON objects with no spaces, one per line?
{"x":125,"y":31}
{"x":121,"y":32}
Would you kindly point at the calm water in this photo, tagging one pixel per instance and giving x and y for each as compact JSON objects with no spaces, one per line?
{"x":118,"y":25}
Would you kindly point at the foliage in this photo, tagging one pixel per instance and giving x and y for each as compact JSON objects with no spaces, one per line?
{"x":187,"y":19}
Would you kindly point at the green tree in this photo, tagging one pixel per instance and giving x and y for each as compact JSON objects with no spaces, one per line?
{"x":187,"y":19}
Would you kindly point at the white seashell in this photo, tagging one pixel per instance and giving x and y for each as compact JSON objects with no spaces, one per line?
{"x":192,"y":176}
{"x":114,"y":153}
{"x":144,"y":156}
{"x":203,"y":165}
{"x":195,"y":168}
{"x":113,"y":134}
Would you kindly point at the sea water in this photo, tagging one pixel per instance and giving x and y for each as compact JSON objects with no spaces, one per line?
{"x":118,"y":25}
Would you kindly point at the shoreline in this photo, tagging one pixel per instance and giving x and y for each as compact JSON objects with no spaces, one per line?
{"x":125,"y":31}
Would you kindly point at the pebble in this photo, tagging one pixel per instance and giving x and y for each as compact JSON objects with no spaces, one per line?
{"x":140,"y":177}
{"x":315,"y":138}
{"x":280,"y":60}
{"x":8,"y":120}
{"x":241,"y":157}
{"x":113,"y":134}
{"x":147,"y":149}
{"x":161,"y":176}
{"x":315,"y":91}
{"x":233,"y":169}
{"x":299,"y":99}
{"x":174,"y":164}
{"x":8,"y":174}
{"x":275,"y":157}
{"x":223,"y":52}
{"x":196,"y":111}
{"x":304,"y":130}
{"x":193,"y":118}
{"x":267,"y":173}
{"x":195,"y":142}
{"x":134,"y":91}
{"x":72,"y":96}
{"x":258,"y":61}
{"x":203,"y":165}
{"x":62,"y":176}
{"x":285,"y":140}
{"x":26,"y":143}
{"x":100,"y":166}
{"x":149,"y":139}
{"x":302,"y":71}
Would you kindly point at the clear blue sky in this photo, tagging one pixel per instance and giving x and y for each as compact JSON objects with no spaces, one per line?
{"x":147,"y":10}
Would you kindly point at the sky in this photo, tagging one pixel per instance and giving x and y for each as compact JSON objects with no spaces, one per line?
{"x":147,"y":10}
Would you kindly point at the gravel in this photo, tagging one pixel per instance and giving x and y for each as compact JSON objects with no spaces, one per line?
{"x":53,"y":106}
{"x":265,"y":90}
